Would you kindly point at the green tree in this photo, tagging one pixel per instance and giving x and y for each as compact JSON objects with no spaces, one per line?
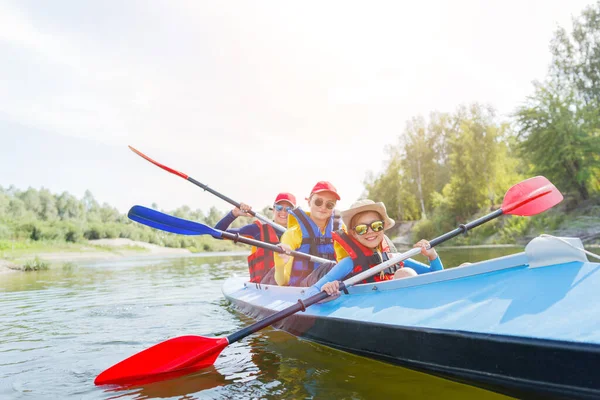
{"x":214,"y":216}
{"x":31,"y":201}
{"x":68,"y":207}
{"x":4,"y":204}
{"x":560,"y":124}
{"x":16,"y":208}
{"x":576,"y":57}
{"x":389,"y":188}
{"x":183,"y":212}
{"x":89,"y":201}
{"x":480,"y":161}
{"x":560,"y":140}
{"x":48,"y":211}
{"x":108,"y":213}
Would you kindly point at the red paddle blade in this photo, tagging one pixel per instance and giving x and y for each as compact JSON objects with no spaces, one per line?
{"x":180,"y":354}
{"x":530,"y":197}
{"x":171,"y":170}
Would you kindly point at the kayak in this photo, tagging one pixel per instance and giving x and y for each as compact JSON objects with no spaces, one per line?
{"x":523,"y":325}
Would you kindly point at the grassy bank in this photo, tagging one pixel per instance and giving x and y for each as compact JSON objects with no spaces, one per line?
{"x":40,"y":255}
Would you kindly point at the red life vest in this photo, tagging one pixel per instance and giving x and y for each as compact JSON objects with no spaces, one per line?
{"x":364,"y":258}
{"x":260,"y":261}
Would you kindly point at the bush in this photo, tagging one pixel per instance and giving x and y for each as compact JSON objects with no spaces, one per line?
{"x":73,"y":235}
{"x":423,"y":229}
{"x":93,"y":232}
{"x":5,"y":231}
{"x":514,"y":227}
{"x":35,"y":265}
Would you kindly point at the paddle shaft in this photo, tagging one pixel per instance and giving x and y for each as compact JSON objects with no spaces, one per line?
{"x":236,"y":204}
{"x":208,"y":189}
{"x":296,"y":254}
{"x":464,"y":228}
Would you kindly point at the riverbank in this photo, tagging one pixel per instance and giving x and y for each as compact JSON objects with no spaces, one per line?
{"x":52,"y":254}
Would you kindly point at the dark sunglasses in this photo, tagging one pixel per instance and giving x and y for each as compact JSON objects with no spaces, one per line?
{"x":319,"y":202}
{"x":279,"y":207}
{"x":376,"y":226}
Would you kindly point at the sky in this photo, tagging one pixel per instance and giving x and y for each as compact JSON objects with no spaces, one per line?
{"x":250,"y":98}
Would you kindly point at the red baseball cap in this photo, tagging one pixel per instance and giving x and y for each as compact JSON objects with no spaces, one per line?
{"x":324,"y":186}
{"x":286,"y":197}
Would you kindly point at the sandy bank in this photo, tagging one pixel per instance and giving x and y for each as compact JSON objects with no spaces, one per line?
{"x":94,"y":250}
{"x":8,"y":267}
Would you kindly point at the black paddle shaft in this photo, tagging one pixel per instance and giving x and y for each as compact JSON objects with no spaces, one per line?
{"x":301,"y":305}
{"x":273,"y":247}
{"x":463,"y":228}
{"x":219,"y":195}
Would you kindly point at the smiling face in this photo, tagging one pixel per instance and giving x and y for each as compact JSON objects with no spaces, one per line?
{"x":370,"y":239}
{"x":321,"y":207}
{"x":281,"y":217}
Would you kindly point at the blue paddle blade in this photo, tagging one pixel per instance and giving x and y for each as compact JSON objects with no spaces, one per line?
{"x":169,"y":223}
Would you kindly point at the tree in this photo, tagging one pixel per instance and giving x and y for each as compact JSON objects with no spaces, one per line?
{"x":31,"y":201}
{"x":4,"y":203}
{"x":48,"y":211}
{"x":214,"y":216}
{"x":68,"y":207}
{"x":559,"y":127}
{"x":89,"y":202}
{"x":576,"y":57}
{"x":559,"y":139}
{"x":480,"y":161}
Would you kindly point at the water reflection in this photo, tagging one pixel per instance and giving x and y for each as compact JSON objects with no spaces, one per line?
{"x":182,"y":387}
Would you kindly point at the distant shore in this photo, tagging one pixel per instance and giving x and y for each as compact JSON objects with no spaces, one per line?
{"x":93,"y":250}
{"x":114,"y":249}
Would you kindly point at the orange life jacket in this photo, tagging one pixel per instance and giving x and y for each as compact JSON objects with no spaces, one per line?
{"x":364,"y":258}
{"x":260,"y":261}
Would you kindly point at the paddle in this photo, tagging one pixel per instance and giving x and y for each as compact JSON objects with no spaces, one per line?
{"x":169,"y":223}
{"x":263,"y":218}
{"x":186,"y":354}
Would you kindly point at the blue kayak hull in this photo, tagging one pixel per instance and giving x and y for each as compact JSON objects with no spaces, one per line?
{"x":524,"y":325}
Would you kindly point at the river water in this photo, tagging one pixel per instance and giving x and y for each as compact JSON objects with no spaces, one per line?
{"x":61,"y":328}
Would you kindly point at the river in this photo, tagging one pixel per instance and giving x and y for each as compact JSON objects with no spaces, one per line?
{"x":62,"y":327}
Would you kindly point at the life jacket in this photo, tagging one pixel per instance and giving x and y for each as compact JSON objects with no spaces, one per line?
{"x":364,"y":258}
{"x":260,"y":261}
{"x":314,"y":243}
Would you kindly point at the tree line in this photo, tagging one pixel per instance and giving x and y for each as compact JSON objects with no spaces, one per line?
{"x":453,"y":166}
{"x":39,"y":215}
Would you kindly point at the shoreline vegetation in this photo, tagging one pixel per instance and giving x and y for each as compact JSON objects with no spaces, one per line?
{"x":42,"y":256}
{"x":40,"y":230}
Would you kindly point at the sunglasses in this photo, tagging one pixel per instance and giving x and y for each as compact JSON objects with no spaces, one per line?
{"x":319,"y":202}
{"x":279,"y":207}
{"x":376,"y":226}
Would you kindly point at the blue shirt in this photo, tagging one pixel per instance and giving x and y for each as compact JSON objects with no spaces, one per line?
{"x":251,"y":230}
{"x":345,"y":267}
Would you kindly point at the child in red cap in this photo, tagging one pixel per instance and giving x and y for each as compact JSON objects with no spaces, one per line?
{"x":260,"y":261}
{"x":308,"y":232}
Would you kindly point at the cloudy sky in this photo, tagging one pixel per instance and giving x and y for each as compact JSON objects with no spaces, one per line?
{"x":251,"y":98}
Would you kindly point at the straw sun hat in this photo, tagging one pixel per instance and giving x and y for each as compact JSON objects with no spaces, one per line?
{"x":367,"y":205}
